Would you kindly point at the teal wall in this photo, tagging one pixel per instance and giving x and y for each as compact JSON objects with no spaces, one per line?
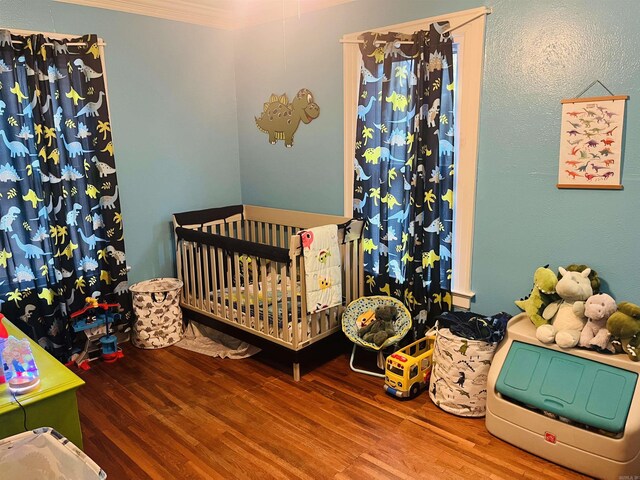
{"x":173,"y":114}
{"x":536,"y":54}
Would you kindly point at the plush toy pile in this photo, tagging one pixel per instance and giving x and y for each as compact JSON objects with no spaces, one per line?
{"x":570,"y":310}
{"x":376,"y":326}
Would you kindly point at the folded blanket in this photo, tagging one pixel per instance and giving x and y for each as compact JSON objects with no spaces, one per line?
{"x":323,"y":267}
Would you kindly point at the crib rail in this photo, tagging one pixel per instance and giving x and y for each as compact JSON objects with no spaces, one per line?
{"x":260,"y":293}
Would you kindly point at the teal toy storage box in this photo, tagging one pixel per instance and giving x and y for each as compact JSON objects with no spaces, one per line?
{"x":575,"y":407}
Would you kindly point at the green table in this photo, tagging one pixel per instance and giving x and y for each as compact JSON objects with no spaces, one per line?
{"x":52,"y":404}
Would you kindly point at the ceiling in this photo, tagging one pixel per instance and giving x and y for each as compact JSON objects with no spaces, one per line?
{"x":224,"y":14}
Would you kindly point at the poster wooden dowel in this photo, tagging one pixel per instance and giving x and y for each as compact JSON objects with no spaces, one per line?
{"x":594,"y":99}
{"x":589,"y":187}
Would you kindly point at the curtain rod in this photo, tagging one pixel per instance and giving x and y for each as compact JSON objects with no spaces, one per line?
{"x":51,"y":35}
{"x":450,"y":29}
{"x":74,"y":44}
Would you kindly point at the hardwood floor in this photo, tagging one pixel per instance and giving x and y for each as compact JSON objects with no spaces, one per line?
{"x":175,"y":414}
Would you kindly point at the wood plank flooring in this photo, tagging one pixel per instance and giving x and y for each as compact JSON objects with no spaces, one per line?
{"x":175,"y":414}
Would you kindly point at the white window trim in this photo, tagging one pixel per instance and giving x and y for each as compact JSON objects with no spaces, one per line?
{"x":468,"y":28}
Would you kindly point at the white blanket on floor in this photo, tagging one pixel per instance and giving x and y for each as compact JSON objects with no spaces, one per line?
{"x":323,"y":267}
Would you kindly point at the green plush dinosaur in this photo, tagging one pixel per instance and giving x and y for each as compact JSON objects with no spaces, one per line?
{"x":542,"y":294}
{"x":625,"y":323}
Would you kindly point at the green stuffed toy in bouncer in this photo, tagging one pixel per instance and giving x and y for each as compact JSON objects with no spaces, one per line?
{"x":381,"y":327}
{"x":542,"y":294}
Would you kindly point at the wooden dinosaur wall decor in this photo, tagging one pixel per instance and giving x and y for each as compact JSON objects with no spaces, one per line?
{"x":280,"y":118}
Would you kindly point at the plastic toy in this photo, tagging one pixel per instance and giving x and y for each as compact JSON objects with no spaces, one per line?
{"x":94,"y":320}
{"x":408,"y":370}
{"x":22,"y":374}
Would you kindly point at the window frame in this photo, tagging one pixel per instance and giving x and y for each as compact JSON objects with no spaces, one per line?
{"x":468,"y":32}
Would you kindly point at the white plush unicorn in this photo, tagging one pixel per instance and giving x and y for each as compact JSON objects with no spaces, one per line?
{"x":567,"y":315}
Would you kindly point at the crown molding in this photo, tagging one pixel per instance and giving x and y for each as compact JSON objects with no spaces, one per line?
{"x":221,"y":14}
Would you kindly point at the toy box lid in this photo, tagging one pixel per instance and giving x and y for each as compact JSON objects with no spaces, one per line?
{"x":582,"y":390}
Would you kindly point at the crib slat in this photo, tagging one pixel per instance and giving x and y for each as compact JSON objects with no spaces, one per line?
{"x":257,"y":310}
{"x":282,"y":237}
{"x":347,"y":269}
{"x":200,"y":292}
{"x":226,"y":305}
{"x":179,"y":261}
{"x":294,"y":301}
{"x":326,"y":319}
{"x":273,"y":271}
{"x":214,"y":281}
{"x":286,"y":335}
{"x":315,"y":323}
{"x":303,"y":297}
{"x":206,"y":297}
{"x":260,"y":236}
{"x":333,"y":317}
{"x":236,"y":264}
{"x":264,"y":304}
{"x":247,"y":283}
{"x":185,"y":271}
{"x":273,"y":234}
{"x":353,"y":275}
{"x":192,"y":274}
{"x":233,"y":305}
{"x":249,"y":230}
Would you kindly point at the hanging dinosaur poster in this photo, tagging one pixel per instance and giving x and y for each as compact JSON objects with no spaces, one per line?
{"x":591,"y":142}
{"x":280,"y":118}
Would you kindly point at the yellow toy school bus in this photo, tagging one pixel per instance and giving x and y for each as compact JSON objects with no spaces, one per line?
{"x":408,"y":370}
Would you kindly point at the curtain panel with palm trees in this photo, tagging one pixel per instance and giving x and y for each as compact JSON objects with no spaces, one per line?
{"x":404,"y":167}
{"x":61,"y":232}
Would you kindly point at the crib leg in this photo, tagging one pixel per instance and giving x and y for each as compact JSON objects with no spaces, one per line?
{"x":296,"y":372}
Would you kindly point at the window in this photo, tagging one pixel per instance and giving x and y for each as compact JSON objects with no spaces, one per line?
{"x":468,"y":35}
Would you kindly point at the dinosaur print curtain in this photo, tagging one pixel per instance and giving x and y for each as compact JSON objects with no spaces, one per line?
{"x":61,"y":232}
{"x":403,"y":183}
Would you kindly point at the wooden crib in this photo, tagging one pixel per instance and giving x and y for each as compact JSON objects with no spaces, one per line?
{"x":244,"y":274}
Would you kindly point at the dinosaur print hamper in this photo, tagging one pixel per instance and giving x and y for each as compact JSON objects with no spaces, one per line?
{"x":458,"y":381}
{"x":156,"y":304}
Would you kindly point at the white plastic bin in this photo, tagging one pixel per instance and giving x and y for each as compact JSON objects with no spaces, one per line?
{"x":156,"y":304}
{"x":44,"y":453}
